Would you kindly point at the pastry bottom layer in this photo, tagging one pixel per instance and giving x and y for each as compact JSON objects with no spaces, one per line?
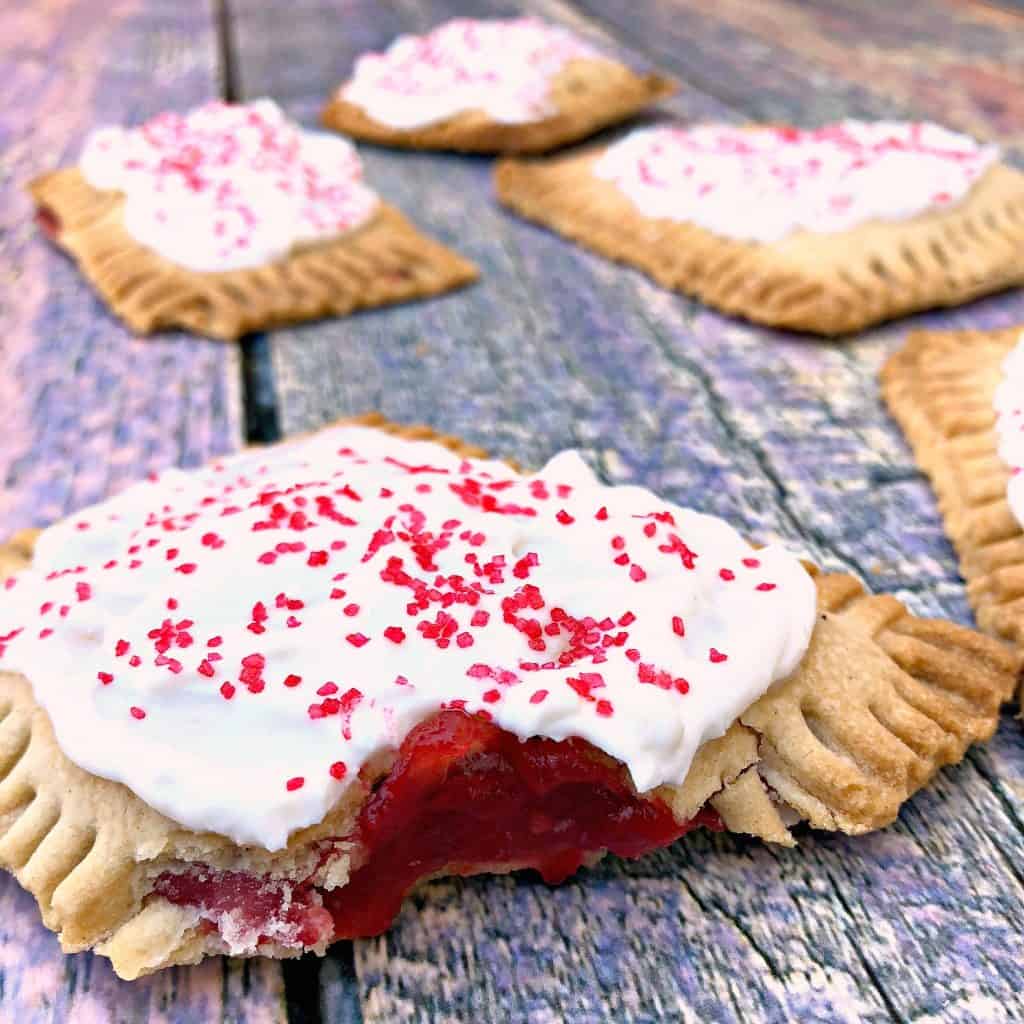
{"x":462,"y":797}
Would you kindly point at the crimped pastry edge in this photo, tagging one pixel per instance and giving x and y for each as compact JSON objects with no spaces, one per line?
{"x":828,"y":284}
{"x":383,"y":262}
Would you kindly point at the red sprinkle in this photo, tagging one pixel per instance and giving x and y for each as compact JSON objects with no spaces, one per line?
{"x":293,"y":784}
{"x":717,"y":656}
{"x":138,"y":714}
{"x":677,"y":626}
{"x":338,"y":770}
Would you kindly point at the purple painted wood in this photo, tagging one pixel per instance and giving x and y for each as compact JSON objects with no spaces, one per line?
{"x":555,"y":347}
{"x":783,"y":436}
{"x":86,"y":407}
{"x":961,"y":62}
{"x":810,"y":63}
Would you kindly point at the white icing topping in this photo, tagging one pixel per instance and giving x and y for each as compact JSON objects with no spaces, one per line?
{"x":503,"y":68}
{"x":229,"y":186}
{"x":1009,"y":406}
{"x":766,"y":183}
{"x":206,"y":637}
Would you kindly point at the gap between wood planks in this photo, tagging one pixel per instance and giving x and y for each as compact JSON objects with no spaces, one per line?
{"x":259,"y":401}
{"x":302,"y":988}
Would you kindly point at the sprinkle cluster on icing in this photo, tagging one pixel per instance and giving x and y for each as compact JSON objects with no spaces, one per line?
{"x":503,"y":68}
{"x":1009,"y":407}
{"x":235,"y":643}
{"x":766,"y":183}
{"x":228,"y":186}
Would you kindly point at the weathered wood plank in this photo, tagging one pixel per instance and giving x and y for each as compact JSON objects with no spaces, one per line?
{"x":783,"y":436}
{"x":958,"y":63}
{"x":787,"y":61}
{"x":87,"y":407}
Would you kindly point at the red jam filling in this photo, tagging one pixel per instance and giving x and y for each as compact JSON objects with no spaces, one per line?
{"x":48,"y":221}
{"x":463,"y":796}
{"x":269,"y":909}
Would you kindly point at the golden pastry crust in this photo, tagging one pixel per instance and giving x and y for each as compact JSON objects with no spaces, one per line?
{"x":826,"y":284}
{"x":381,"y":263}
{"x":880,"y":702}
{"x":587,"y":95}
{"x":940,"y":388}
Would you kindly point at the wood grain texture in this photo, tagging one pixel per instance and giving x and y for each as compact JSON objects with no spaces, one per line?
{"x":786,"y":438}
{"x":960,"y":63}
{"x":809,"y":63}
{"x":87,"y":408}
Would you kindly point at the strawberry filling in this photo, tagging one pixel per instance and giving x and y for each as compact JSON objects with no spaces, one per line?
{"x":48,"y":221}
{"x":463,"y":796}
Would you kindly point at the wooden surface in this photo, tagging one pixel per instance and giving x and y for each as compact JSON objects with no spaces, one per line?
{"x":784,"y":436}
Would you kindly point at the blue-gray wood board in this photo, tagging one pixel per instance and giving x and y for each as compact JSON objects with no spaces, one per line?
{"x":783,"y":435}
